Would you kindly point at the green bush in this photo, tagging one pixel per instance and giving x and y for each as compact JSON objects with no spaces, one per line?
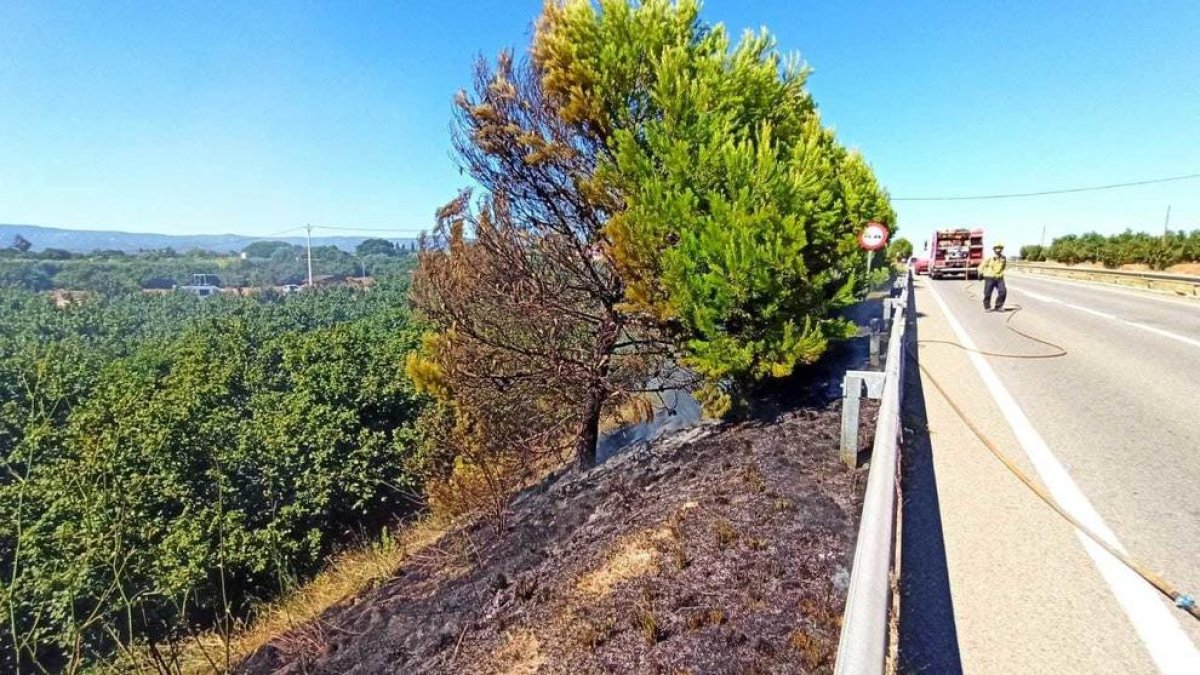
{"x":1127,"y":248}
{"x":167,"y":458}
{"x":899,"y":250}
{"x":1033,"y":253}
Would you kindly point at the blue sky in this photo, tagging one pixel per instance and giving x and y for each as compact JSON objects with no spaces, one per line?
{"x":191,"y":117}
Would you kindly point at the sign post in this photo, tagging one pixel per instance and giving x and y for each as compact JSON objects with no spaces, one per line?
{"x":873,"y":237}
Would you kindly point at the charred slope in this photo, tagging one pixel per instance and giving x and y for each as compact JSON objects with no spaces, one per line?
{"x":724,"y":548}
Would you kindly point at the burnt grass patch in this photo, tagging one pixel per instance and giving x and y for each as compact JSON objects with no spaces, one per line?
{"x":721,"y":549}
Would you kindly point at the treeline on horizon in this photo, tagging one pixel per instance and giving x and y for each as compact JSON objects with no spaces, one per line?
{"x":266,"y":264}
{"x":684,"y":221}
{"x":1158,"y":252}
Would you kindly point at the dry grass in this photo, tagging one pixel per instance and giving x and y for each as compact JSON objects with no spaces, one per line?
{"x":813,"y":650}
{"x":700,"y":618}
{"x":637,"y":409}
{"x":296,"y":615}
{"x":754,"y":478}
{"x":725,"y":534}
{"x":520,"y":655}
{"x":592,"y":633}
{"x":348,"y":574}
{"x":635,"y":558}
{"x":645,"y":621}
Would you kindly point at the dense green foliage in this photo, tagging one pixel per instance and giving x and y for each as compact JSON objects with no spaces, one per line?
{"x":1127,"y":248}
{"x":167,"y":458}
{"x":378,"y":247}
{"x":739,"y":209}
{"x":1033,"y":253}
{"x":899,"y":249}
{"x":114,"y":272}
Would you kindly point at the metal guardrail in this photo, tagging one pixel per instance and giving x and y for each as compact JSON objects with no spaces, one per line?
{"x":863,"y":645}
{"x":1178,"y":284}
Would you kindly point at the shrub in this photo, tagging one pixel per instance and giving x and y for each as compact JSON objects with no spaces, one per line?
{"x":1126,"y":248}
{"x":169,"y":460}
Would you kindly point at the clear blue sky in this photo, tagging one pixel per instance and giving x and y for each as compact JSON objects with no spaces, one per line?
{"x":253,"y":117}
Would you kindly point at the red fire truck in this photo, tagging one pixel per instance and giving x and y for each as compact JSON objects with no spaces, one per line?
{"x":956,"y":252}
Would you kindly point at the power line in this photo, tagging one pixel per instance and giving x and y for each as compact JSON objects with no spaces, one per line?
{"x":394,"y":230}
{"x":279,"y":233}
{"x":303,"y":228}
{"x":1047,"y":192}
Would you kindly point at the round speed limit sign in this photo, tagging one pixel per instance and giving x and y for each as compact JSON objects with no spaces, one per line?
{"x":873,"y":237}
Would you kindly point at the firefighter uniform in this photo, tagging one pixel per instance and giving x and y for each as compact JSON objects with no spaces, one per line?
{"x":992,"y":271}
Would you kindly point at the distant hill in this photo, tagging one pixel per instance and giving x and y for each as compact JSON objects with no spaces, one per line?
{"x":83,"y":241}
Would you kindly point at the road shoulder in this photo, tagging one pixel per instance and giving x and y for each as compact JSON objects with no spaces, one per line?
{"x":1024,"y":595}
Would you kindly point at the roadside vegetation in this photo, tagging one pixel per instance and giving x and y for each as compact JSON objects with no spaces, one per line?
{"x":1158,"y":252}
{"x":169,"y":460}
{"x":659,"y":207}
{"x":681,"y":221}
{"x":899,"y":250}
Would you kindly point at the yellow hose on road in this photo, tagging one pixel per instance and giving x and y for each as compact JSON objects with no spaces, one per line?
{"x":1181,"y":600}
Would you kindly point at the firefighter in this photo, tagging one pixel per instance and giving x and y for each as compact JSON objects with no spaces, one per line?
{"x":992,"y":271}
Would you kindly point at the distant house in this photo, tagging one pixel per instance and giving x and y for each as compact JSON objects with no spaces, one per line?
{"x":329,"y":280}
{"x":203,"y":285}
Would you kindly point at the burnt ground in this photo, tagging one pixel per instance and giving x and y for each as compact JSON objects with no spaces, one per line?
{"x":719,"y":549}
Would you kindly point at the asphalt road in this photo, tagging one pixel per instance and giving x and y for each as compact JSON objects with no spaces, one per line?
{"x":1112,"y":429}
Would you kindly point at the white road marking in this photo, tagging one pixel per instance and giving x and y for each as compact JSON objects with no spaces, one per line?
{"x":1116,"y":290}
{"x":1104,"y":315}
{"x":1171,"y":649}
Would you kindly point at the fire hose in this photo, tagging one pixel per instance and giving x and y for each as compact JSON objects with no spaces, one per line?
{"x":1180,"y":599}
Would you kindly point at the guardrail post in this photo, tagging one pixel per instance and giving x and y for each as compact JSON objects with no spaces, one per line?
{"x":853,"y":386}
{"x":891,"y":308}
{"x":874,"y":343}
{"x":851,"y":399}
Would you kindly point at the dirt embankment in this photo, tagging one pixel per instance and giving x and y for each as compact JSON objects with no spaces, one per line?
{"x":721,"y":549}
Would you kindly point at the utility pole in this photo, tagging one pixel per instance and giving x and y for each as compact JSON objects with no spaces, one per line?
{"x":1167,"y":222}
{"x":1043,"y":236}
{"x":308,"y":229}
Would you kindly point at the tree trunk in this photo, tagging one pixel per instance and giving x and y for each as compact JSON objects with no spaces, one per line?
{"x":589,"y":434}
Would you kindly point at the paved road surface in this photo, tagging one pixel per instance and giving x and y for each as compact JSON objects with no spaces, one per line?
{"x":1112,"y":429}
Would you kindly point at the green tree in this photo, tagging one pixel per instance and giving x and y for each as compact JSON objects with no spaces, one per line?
{"x":900,"y":250}
{"x":25,"y":275}
{"x":381,"y":247}
{"x":1066,"y":250}
{"x":20,"y":244}
{"x":266,"y":249}
{"x":740,"y":209}
{"x":55,"y":254}
{"x":1033,"y":253}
